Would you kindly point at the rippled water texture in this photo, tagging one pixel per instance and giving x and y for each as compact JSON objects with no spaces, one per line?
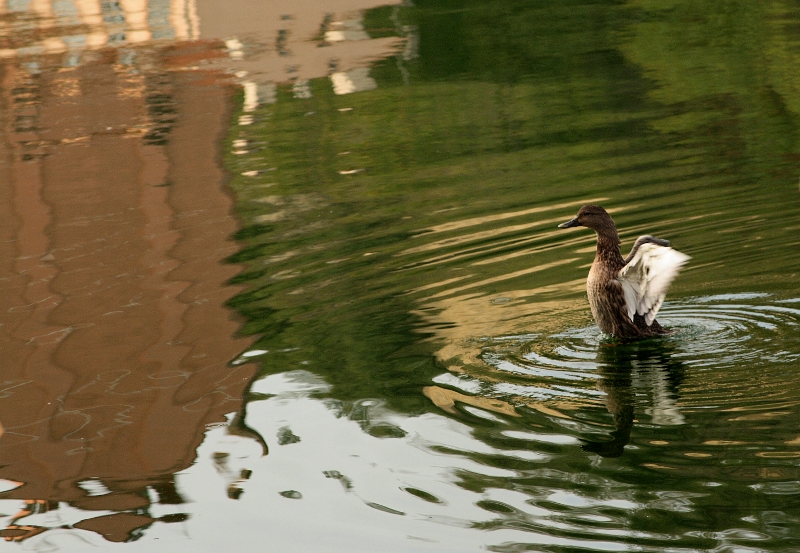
{"x":287,"y":275}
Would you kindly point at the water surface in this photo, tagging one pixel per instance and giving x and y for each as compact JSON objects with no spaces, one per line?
{"x":289,"y":276}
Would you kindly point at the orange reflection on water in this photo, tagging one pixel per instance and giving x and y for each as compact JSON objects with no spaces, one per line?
{"x":116,"y":341}
{"x":461,"y":324}
{"x":464,"y":223}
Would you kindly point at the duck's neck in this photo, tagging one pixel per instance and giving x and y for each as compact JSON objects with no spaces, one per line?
{"x":608,"y":251}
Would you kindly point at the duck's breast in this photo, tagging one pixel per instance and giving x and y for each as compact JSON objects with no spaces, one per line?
{"x":607,"y":301}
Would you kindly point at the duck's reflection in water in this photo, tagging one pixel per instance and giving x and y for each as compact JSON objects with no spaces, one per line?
{"x":627,"y":368}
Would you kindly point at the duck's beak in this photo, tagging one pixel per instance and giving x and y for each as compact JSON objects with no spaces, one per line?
{"x":571,"y":223}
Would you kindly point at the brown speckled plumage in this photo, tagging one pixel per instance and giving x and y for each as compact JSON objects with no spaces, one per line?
{"x":606,"y":296}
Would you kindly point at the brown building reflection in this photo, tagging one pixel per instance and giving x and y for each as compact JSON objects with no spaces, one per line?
{"x":114,"y":227}
{"x":116,"y":344}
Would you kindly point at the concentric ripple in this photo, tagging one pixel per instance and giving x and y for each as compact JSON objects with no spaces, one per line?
{"x":740,"y":353}
{"x":728,"y":367}
{"x":698,"y":421}
{"x":721,"y":343}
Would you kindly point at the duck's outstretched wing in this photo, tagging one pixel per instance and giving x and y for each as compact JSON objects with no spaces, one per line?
{"x":646,"y":278}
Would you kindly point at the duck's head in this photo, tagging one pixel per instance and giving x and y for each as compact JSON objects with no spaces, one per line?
{"x":595,"y":218}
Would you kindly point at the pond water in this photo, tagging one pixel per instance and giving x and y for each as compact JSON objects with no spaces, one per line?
{"x":288,"y":275}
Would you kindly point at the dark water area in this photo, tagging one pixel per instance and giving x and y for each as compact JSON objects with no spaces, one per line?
{"x":288,"y":275}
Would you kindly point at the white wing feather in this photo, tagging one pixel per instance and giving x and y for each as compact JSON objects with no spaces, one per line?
{"x":647,"y":277}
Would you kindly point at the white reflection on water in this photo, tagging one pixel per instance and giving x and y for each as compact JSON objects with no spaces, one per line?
{"x":336,"y":487}
{"x":352,"y":484}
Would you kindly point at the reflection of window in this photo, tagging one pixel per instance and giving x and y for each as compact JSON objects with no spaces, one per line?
{"x":351,"y":29}
{"x":66,"y":12}
{"x":112,"y":13}
{"x":74,"y":42}
{"x":280,"y":43}
{"x":158,"y":12}
{"x":355,"y":80}
{"x":302,"y":89}
{"x":18,"y":5}
{"x":161,"y":109}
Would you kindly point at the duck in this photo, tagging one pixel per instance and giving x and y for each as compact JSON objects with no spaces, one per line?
{"x":625,"y":293}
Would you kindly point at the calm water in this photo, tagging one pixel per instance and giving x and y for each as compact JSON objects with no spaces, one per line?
{"x":287,"y":275}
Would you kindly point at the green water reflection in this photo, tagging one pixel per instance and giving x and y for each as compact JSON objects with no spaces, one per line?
{"x":427,"y":373}
{"x":400,"y":243}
